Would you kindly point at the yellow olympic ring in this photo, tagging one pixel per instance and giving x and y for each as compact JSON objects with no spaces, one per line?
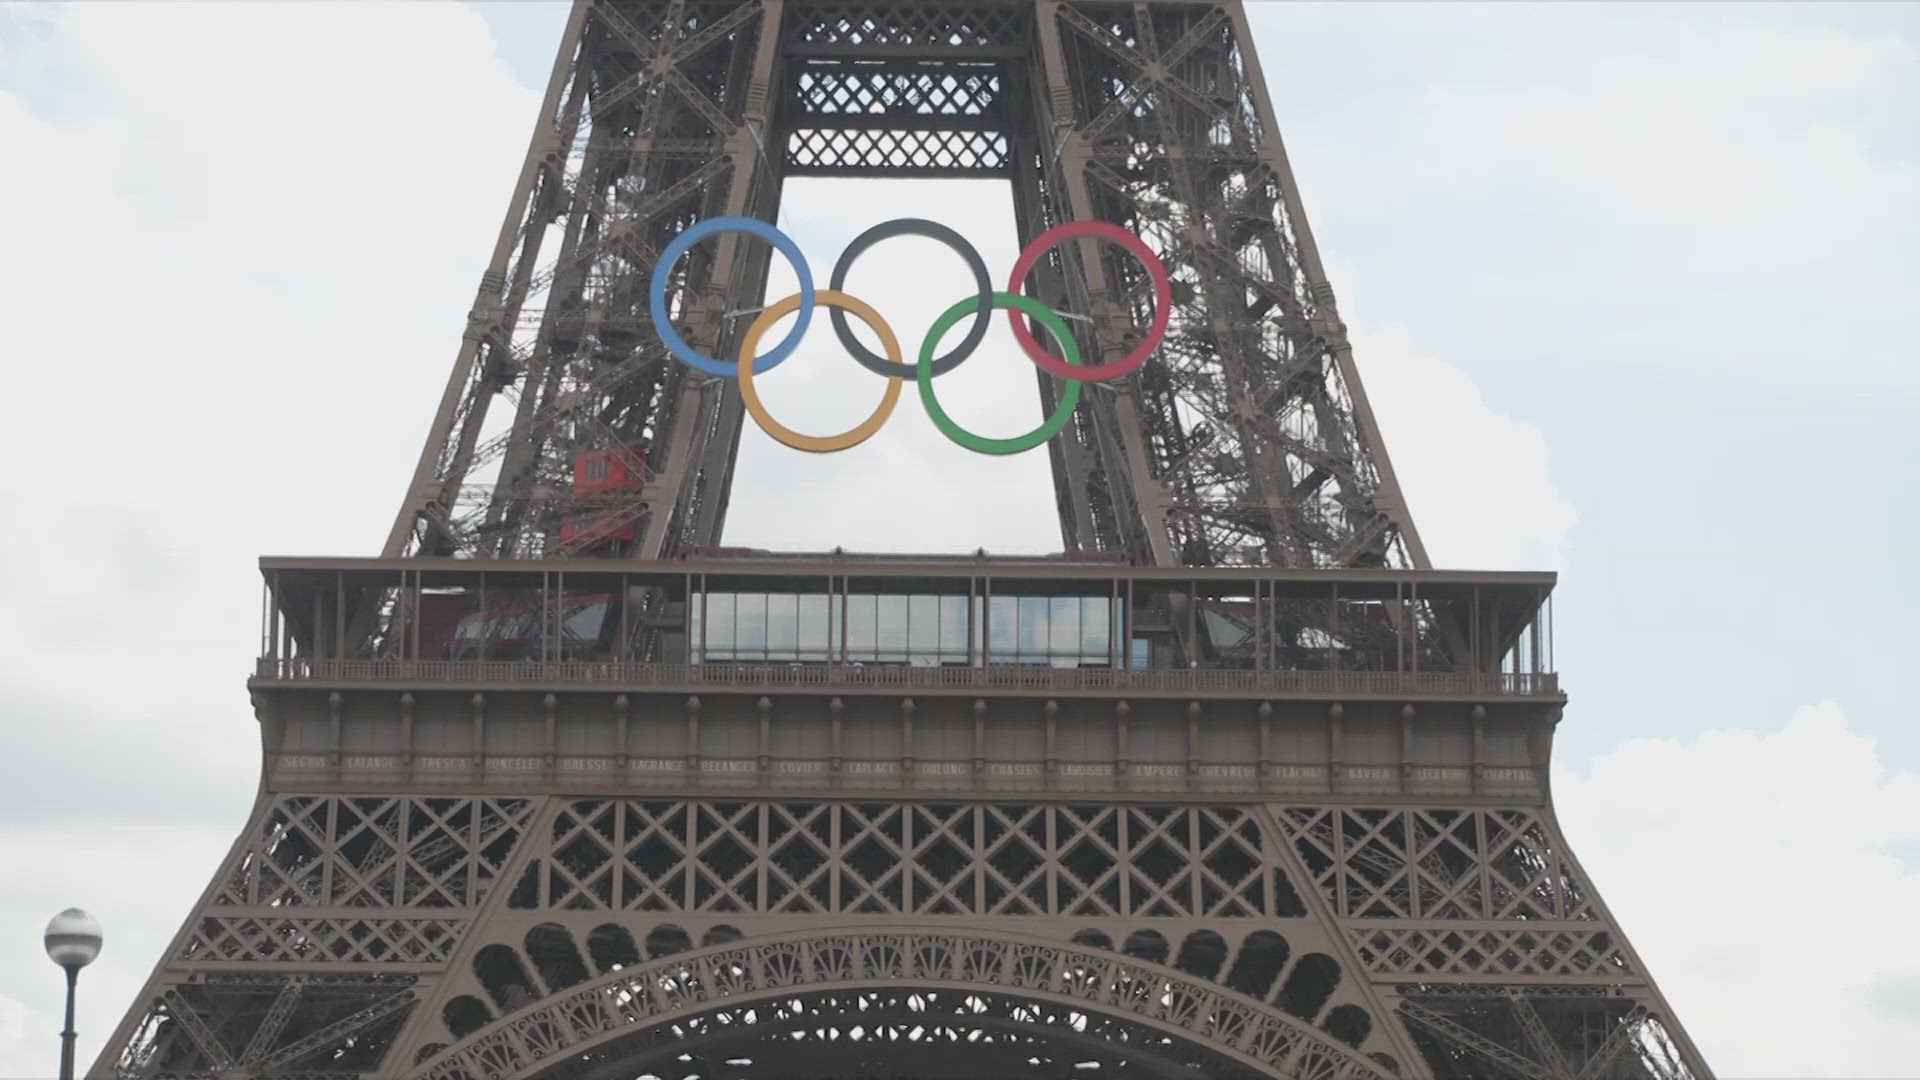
{"x":786,"y":436}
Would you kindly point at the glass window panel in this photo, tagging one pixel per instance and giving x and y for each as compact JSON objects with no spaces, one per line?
{"x":720,"y":626}
{"x":1003,"y":620}
{"x":1221,"y":629}
{"x":585,"y":619}
{"x":860,"y":627}
{"x":750,"y":625}
{"x":783,"y":626}
{"x":814,"y":625}
{"x":923,"y":629}
{"x":1033,"y":627}
{"x":583,"y":622}
{"x":1095,"y":628}
{"x":1063,"y":627}
{"x":891,"y":628}
{"x":953,"y":629}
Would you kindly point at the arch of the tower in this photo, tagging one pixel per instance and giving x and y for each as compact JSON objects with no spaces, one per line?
{"x":930,"y":1003}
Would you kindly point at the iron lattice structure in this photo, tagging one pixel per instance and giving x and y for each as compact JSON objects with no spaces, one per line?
{"x":553,"y":790}
{"x":1247,"y":440}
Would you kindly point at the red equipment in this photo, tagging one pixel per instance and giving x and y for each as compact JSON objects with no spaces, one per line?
{"x":601,"y":472}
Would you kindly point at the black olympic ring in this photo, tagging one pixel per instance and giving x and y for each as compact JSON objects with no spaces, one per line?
{"x":932,"y":230}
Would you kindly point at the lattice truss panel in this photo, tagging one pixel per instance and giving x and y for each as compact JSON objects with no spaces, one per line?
{"x":1444,"y":951}
{"x":256,"y":1025}
{"x":859,"y":119}
{"x":376,"y":851}
{"x":1415,"y":889}
{"x":926,"y":27}
{"x":736,"y":994}
{"x":1402,"y":863}
{"x":1256,"y":448}
{"x":901,"y":89}
{"x":1541,"y":1033}
{"x":353,"y":939}
{"x":284,"y":972}
{"x":906,"y":859}
{"x":279,"y":973}
{"x":647,"y":133}
{"x":1245,"y":441}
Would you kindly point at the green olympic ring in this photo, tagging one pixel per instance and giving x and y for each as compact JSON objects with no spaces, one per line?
{"x":981,"y":444}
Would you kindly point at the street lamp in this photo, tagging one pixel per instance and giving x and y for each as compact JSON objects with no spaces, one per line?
{"x":73,"y":940}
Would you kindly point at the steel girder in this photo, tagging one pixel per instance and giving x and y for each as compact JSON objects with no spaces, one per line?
{"x":441,"y":936}
{"x":1246,"y":440}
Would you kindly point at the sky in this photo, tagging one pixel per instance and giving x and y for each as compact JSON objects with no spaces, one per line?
{"x":1630,"y":286}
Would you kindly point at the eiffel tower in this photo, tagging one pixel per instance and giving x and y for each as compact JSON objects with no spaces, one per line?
{"x":1235,"y":786}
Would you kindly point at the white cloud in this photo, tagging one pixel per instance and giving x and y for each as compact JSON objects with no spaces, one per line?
{"x":1761,"y":876}
{"x":1650,"y":191}
{"x":226,"y":310}
{"x":139,"y":877}
{"x":28,"y":1046}
{"x":1711,"y":125}
{"x":1477,"y":481}
{"x":239,"y":247}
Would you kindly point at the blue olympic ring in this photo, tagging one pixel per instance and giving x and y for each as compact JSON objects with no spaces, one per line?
{"x":678,"y":346}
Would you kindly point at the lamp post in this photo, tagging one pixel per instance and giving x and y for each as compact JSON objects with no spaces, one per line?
{"x":73,"y":940}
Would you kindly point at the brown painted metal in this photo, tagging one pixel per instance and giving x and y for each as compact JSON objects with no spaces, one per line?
{"x":1271,"y":802}
{"x":1246,"y":441}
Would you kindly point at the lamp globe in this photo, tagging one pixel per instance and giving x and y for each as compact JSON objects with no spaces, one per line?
{"x":73,"y":939}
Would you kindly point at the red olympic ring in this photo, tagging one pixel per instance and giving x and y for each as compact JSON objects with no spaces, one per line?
{"x":1162,"y":300}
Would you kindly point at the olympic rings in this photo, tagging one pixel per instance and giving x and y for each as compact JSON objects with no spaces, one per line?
{"x":657,"y":305}
{"x":980,"y":444}
{"x":818,"y":444}
{"x":932,"y":230}
{"x":1162,"y":298}
{"x":1068,"y":366}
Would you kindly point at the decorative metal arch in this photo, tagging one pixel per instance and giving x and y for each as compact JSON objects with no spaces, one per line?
{"x":899,"y":1032}
{"x":687,"y":985}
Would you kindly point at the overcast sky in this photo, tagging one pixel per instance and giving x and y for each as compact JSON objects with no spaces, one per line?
{"x":1632,"y":287}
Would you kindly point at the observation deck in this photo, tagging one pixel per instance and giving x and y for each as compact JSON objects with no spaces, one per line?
{"x":904,"y":672}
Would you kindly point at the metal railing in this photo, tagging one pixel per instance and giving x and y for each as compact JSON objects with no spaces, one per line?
{"x":904,"y":677}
